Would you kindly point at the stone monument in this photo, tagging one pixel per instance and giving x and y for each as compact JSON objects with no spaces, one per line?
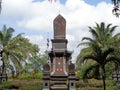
{"x":61,"y":75}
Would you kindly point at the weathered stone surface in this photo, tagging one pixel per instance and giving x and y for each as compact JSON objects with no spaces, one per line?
{"x":59,"y":27}
{"x":58,"y":74}
{"x":59,"y":87}
{"x":46,"y":67}
{"x":71,"y":68}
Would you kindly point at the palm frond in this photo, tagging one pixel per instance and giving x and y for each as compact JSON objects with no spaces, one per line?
{"x":94,"y":32}
{"x":113,"y":59}
{"x":92,"y":57}
{"x":113,"y":29}
{"x":117,"y":35}
{"x":84,"y":52}
{"x":84,"y":43}
{"x":87,"y":71}
{"x":87,"y":38}
{"x":108,"y":26}
{"x":107,"y":52}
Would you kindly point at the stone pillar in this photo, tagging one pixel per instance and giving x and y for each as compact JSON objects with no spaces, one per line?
{"x":46,"y":84}
{"x":72,"y":83}
{"x":71,"y":77}
{"x":46,"y":77}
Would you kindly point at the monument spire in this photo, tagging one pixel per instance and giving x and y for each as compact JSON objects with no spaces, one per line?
{"x":59,"y":27}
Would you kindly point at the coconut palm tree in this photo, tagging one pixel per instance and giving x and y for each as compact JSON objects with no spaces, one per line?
{"x":100,"y":49}
{"x":102,"y":34}
{"x":5,"y":36}
{"x":24,"y":49}
{"x":15,"y":49}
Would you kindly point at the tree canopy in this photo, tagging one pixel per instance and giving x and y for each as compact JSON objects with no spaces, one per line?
{"x":100,"y":48}
{"x":16,"y":50}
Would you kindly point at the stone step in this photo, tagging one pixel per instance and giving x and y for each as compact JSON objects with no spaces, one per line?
{"x":59,"y":87}
{"x":59,"y":74}
{"x":58,"y":79}
{"x":58,"y":82}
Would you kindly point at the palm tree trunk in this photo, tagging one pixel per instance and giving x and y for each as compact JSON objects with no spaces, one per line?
{"x":3,"y":67}
{"x":103,"y":77}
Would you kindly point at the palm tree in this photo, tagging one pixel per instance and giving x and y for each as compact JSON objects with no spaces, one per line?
{"x":115,"y":2}
{"x":24,"y":49}
{"x":5,"y":36}
{"x":15,"y":49}
{"x":102,"y":34}
{"x":116,"y":10}
{"x":100,"y":49}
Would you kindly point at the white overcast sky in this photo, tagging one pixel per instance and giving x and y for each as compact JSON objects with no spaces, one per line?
{"x":35,"y":19}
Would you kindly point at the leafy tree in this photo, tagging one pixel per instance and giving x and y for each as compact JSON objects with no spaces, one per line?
{"x":37,"y":62}
{"x":15,"y":49}
{"x":100,"y":49}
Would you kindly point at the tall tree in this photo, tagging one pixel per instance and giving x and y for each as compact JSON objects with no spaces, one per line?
{"x":100,"y":48}
{"x":15,"y":49}
{"x":36,"y":62}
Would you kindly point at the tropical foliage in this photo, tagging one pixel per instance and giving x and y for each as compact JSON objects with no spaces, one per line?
{"x":100,"y":49}
{"x":35,"y":63}
{"x":16,"y":50}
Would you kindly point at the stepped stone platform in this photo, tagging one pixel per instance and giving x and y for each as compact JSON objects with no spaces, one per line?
{"x":59,"y":74}
{"x":59,"y":87}
{"x":58,"y":83}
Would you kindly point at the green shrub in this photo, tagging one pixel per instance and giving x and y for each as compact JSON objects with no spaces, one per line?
{"x":23,"y":77}
{"x":4,"y":84}
{"x":38,"y":76}
{"x":111,"y":88}
{"x":31,"y":76}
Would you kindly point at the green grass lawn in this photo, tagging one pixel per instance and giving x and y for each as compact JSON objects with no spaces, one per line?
{"x":94,"y":84}
{"x":16,"y":84}
{"x":36,"y":84}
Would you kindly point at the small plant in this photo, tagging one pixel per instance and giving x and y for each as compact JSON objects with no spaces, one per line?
{"x":30,"y":76}
{"x":25,"y":77}
{"x":111,"y":88}
{"x":38,"y":76}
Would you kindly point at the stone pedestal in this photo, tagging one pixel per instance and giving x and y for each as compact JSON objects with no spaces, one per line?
{"x":72,"y":83}
{"x":46,"y":83}
{"x":3,"y":77}
{"x":71,"y":77}
{"x":46,"y":77}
